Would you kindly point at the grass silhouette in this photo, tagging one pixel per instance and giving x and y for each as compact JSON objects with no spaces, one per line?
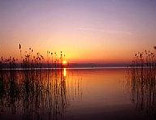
{"x":30,"y":59}
{"x":142,"y":83}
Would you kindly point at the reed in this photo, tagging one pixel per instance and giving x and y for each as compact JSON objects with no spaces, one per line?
{"x":142,"y":83}
{"x":145,"y":59}
{"x":36,"y":94}
{"x":29,"y":59}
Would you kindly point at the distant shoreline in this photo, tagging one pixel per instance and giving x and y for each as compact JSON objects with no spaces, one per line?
{"x":74,"y":68}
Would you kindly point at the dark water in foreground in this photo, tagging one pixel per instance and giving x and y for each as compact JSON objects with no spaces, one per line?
{"x":80,"y":94}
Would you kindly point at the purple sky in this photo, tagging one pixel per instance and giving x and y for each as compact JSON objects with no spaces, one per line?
{"x":81,"y":28}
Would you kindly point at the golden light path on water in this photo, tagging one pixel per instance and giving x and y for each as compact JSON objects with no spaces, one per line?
{"x":64,"y":72}
{"x":79,"y":94}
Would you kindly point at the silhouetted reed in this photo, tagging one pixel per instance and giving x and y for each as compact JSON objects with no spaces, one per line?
{"x":145,"y":59}
{"x":34,"y":94}
{"x":142,"y":83}
{"x":29,"y":59}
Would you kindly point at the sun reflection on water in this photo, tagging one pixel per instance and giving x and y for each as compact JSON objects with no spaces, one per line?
{"x":64,"y":72}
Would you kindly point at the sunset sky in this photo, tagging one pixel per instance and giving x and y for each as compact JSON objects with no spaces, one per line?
{"x":86,"y":30}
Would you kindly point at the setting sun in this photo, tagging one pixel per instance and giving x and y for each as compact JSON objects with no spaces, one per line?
{"x":78,"y":59}
{"x":64,"y":62}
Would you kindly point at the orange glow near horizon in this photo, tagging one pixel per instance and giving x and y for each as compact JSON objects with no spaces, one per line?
{"x":97,"y":31}
{"x":64,"y":62}
{"x":85,"y":55}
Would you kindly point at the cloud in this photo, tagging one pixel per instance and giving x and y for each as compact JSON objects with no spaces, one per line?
{"x":104,"y":31}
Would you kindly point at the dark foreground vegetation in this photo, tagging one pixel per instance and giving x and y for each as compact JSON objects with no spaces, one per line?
{"x":36,"y":94}
{"x":30,"y":59}
{"x":142,"y":83}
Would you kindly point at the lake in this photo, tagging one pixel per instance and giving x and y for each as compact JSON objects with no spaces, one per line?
{"x":78,"y":94}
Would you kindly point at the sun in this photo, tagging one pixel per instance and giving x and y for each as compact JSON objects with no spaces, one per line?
{"x":64,"y":62}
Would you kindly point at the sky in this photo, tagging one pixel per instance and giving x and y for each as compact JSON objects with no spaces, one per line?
{"x":107,"y":31}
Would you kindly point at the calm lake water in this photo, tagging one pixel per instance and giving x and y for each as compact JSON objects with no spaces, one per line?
{"x":77,"y":94}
